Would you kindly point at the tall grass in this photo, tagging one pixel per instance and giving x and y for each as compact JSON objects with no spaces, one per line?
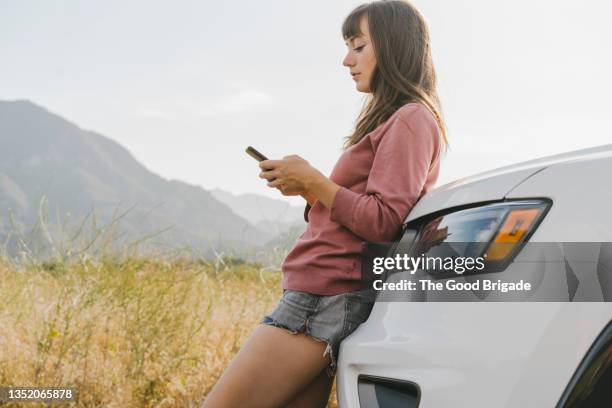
{"x":132,"y":334}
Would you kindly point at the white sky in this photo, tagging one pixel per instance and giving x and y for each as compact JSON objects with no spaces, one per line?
{"x":187,"y":85}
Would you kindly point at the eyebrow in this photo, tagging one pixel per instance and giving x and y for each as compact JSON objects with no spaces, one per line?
{"x":352,"y":38}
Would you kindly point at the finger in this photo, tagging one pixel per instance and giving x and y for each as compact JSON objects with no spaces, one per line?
{"x":268,"y":175}
{"x":269,"y":164}
{"x":275,"y":183}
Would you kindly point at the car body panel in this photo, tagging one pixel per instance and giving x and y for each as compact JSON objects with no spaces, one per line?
{"x":570,"y":185}
{"x":473,"y":354}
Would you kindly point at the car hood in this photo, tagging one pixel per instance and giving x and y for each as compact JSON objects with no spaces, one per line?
{"x":495,"y":184}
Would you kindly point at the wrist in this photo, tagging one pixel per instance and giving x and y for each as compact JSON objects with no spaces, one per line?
{"x":314,"y":182}
{"x":309,"y":197}
{"x":323,"y":190}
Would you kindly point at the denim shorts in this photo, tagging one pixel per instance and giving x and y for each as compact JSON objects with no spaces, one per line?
{"x":324,"y":318}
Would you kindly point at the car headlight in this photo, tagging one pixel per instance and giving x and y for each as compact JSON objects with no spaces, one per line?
{"x":495,"y":232}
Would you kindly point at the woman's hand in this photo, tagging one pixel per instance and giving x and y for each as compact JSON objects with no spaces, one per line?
{"x":292,"y":175}
{"x":295,"y":176}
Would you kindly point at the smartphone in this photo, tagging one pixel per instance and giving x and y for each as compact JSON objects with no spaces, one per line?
{"x":257,"y":156}
{"x":251,"y":151}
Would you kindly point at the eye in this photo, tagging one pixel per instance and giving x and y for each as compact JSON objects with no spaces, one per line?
{"x":358,"y":49}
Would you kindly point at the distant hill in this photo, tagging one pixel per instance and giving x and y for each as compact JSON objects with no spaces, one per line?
{"x":276,"y":217}
{"x":267,"y":214}
{"x":44,"y":155}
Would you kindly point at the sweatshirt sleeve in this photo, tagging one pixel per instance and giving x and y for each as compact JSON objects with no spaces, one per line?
{"x":399,"y":172}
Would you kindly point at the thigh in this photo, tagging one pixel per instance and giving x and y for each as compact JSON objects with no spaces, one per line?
{"x":314,"y":395}
{"x":269,"y":370}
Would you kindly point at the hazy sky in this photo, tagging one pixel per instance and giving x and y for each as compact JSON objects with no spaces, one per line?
{"x":185,"y":86}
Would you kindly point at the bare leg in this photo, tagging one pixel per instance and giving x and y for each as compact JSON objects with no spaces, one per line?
{"x":272,"y":367}
{"x":315,"y":395}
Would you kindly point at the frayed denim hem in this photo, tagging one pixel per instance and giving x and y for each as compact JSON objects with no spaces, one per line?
{"x":329,"y":370}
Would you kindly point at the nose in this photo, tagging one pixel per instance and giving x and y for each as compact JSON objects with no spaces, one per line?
{"x":348,"y":61}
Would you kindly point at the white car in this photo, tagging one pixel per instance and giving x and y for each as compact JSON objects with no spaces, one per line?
{"x":554,"y":350}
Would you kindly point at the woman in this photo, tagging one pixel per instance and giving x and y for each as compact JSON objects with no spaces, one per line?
{"x":390,"y":160}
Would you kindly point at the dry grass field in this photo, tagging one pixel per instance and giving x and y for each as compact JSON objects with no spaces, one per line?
{"x":128,"y":333}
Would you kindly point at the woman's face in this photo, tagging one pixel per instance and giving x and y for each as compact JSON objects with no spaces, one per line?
{"x":360,"y":58}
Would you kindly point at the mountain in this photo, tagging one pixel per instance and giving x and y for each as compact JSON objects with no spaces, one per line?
{"x":45,"y":158}
{"x":267,"y":214}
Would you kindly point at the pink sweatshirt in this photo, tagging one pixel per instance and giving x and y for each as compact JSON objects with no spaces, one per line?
{"x":381,"y":178}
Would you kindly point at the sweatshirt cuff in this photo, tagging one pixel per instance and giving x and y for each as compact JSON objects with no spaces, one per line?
{"x":343,"y":207}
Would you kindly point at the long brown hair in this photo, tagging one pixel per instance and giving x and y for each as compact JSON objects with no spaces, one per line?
{"x":404,"y":70}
